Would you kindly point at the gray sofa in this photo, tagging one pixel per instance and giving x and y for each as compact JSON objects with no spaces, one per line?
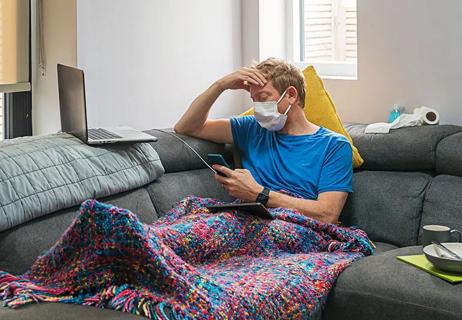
{"x":411,"y":177}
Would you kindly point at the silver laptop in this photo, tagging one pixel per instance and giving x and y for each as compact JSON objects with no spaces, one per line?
{"x":72,"y":104}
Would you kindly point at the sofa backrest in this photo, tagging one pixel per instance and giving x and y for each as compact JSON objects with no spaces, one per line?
{"x":405,"y":149}
{"x":443,"y":200}
{"x":407,"y":181}
{"x":176,"y":156}
{"x":387,"y":205}
{"x":171,"y":187}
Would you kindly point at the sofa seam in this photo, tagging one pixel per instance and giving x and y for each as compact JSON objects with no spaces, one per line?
{"x":421,"y":209}
{"x":152,"y":198}
{"x":424,"y":199}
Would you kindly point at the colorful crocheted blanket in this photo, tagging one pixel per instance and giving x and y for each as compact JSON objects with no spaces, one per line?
{"x":191,"y":264}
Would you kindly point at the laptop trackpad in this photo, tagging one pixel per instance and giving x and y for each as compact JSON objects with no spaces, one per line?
{"x":125,"y":131}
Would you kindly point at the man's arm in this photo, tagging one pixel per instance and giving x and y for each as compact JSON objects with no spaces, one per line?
{"x":195,"y":123}
{"x":326,"y":208}
{"x":240,"y":184}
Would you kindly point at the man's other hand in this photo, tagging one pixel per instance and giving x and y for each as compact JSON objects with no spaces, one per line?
{"x":239,"y":183}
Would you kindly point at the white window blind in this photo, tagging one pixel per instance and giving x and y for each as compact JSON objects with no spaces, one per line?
{"x":328,"y":36}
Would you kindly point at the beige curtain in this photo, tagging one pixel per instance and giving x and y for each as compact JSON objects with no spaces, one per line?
{"x":14,"y":45}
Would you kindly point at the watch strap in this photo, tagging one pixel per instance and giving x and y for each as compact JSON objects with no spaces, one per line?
{"x":263,"y":196}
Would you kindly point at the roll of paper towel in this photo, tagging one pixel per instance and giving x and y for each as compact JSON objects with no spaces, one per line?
{"x":429,"y":115}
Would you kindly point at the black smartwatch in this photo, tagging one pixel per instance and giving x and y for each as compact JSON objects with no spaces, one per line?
{"x":263,"y":196}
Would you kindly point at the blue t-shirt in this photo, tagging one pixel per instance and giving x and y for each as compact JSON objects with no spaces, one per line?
{"x":302,"y":164}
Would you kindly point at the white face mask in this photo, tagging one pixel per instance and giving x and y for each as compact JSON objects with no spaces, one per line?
{"x":268,"y":116}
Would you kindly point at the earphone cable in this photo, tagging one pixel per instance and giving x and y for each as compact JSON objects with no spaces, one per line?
{"x":187,"y":144}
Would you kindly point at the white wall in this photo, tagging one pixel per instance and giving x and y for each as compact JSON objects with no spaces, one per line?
{"x":145,"y":61}
{"x":263,"y":30}
{"x":410,"y":53}
{"x":272,"y":29}
{"x":250,"y":31}
{"x":61,"y":47}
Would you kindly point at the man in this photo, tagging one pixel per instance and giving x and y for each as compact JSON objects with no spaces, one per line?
{"x":281,"y":150}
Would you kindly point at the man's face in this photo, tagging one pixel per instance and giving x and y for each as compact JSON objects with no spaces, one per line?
{"x":266,"y":93}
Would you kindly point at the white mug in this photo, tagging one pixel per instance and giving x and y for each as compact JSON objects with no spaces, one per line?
{"x":434,"y":232}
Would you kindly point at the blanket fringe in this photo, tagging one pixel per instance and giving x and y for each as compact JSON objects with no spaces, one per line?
{"x":140,"y":301}
{"x":16,"y":292}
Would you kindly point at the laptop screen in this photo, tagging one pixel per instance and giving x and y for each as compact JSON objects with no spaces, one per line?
{"x":71,"y":87}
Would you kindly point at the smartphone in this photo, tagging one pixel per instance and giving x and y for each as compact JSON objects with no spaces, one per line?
{"x":254,"y":208}
{"x":216,"y":158}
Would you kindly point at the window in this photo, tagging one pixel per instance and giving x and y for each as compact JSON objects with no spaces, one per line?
{"x":327,"y":36}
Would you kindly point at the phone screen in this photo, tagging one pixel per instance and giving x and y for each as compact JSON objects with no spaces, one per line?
{"x":216,"y":158}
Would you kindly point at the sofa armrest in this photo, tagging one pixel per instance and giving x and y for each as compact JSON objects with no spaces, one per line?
{"x":176,"y":156}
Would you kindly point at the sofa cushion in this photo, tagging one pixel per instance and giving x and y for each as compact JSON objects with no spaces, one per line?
{"x":449,"y":155}
{"x":443,"y":203}
{"x":387,"y":205}
{"x":172,"y":187}
{"x":176,"y":156}
{"x":382,"y":287}
{"x":63,"y":311}
{"x":20,"y":245}
{"x":411,"y":149}
{"x":381,"y":247}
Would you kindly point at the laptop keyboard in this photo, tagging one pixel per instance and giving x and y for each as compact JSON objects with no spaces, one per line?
{"x":101,"y":134}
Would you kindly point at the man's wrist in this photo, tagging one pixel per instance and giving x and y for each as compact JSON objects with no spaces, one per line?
{"x":218,"y":86}
{"x":257,"y":191}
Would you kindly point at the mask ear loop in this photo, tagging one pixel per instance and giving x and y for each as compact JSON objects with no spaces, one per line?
{"x":282,"y":96}
{"x":290,"y":106}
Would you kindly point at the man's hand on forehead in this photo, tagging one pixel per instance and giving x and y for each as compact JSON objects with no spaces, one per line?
{"x":260,"y":76}
{"x":242,"y":79}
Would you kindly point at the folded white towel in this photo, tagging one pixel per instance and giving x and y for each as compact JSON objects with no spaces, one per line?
{"x":379,"y":127}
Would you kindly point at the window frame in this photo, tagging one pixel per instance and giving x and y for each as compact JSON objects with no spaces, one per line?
{"x":343,"y":70}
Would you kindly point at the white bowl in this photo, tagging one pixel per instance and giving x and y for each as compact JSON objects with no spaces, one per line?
{"x":442,"y":261}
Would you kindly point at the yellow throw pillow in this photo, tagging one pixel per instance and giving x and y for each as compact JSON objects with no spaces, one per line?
{"x":320,"y":110}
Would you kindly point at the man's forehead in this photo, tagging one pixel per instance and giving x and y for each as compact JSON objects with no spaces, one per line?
{"x":257,"y":90}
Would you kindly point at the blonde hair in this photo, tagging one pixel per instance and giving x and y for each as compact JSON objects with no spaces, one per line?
{"x":283,"y":75}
